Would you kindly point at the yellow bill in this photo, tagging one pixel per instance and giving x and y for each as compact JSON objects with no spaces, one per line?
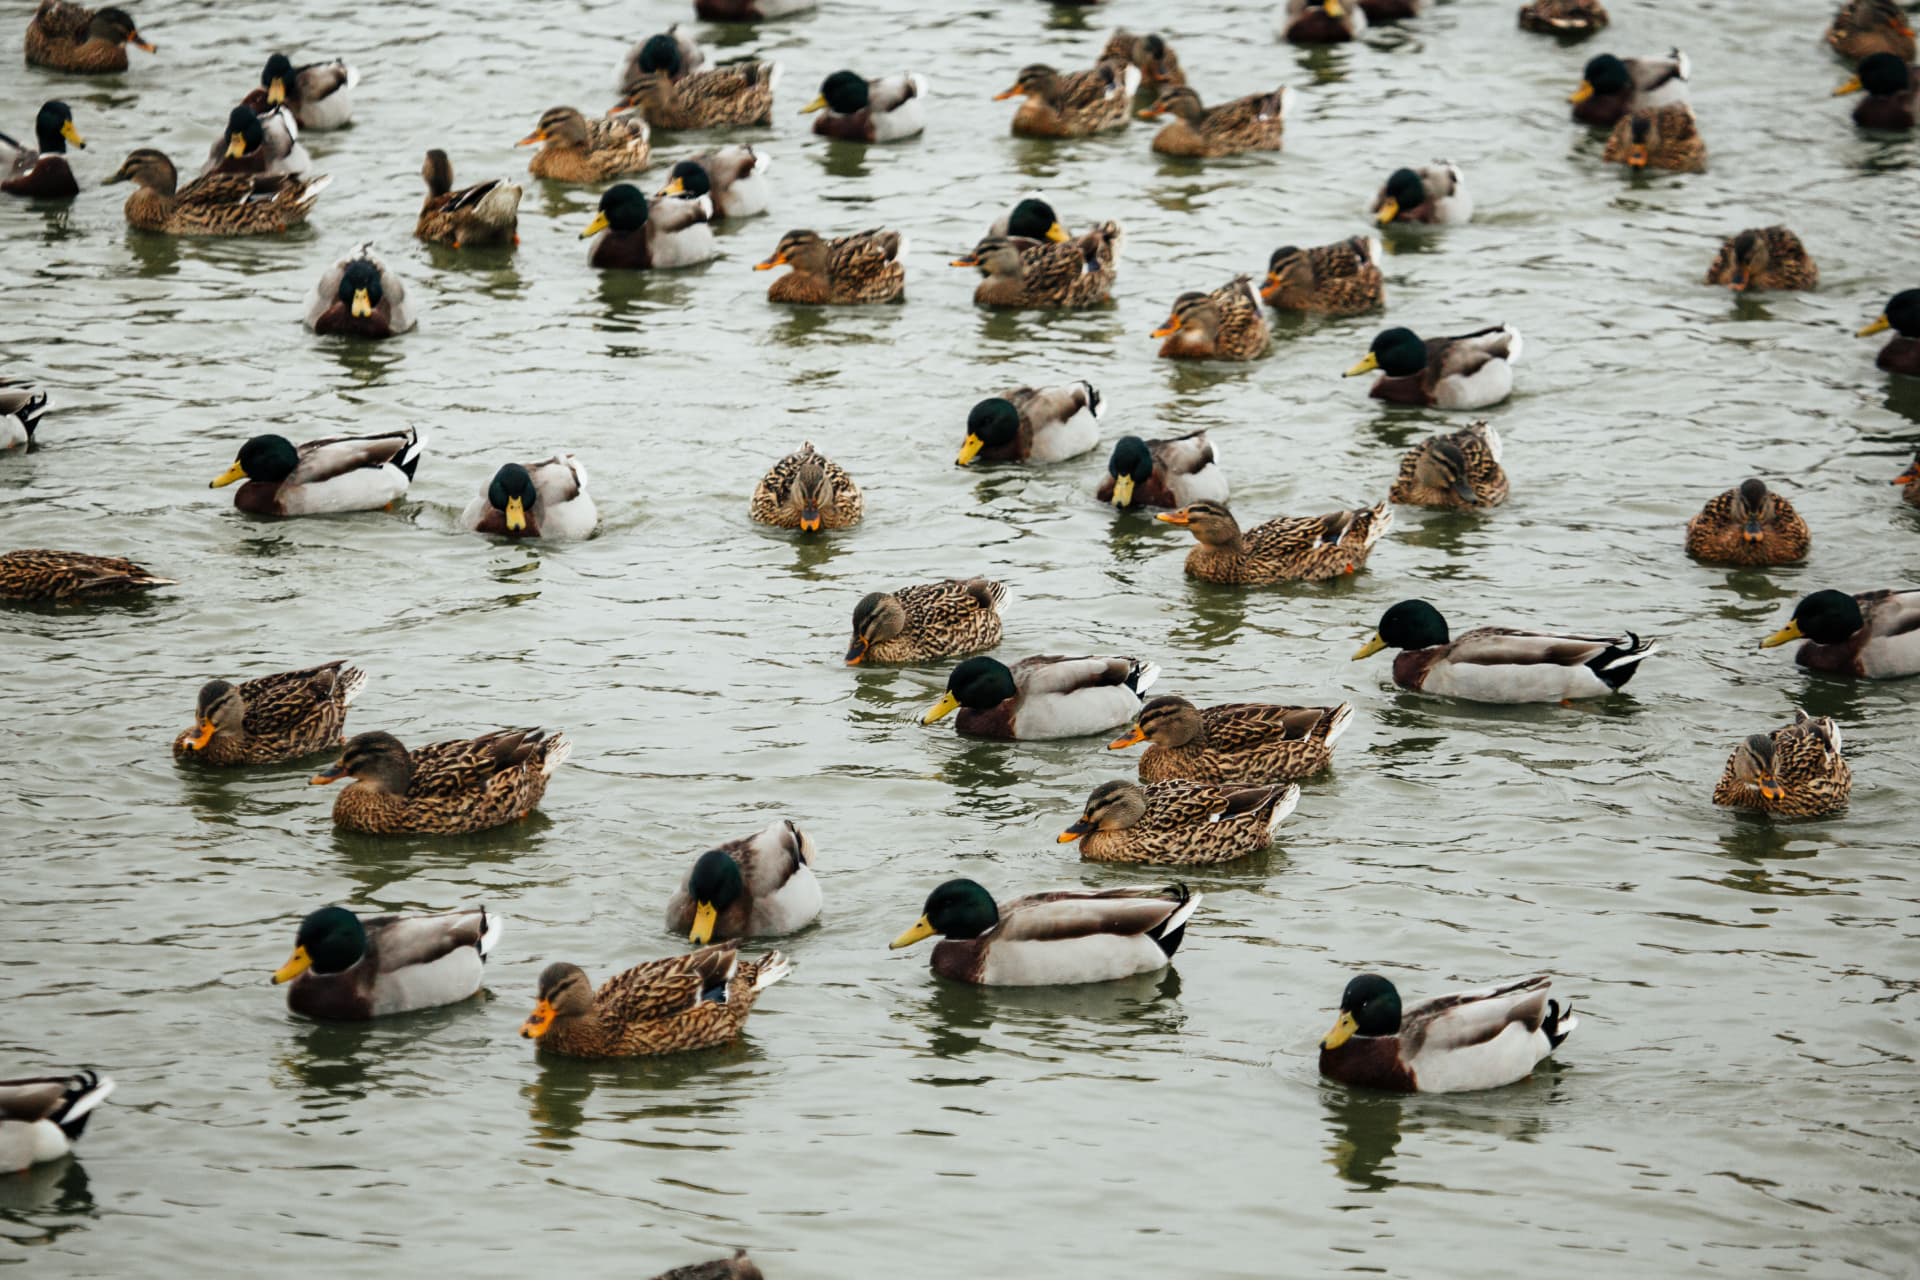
{"x":227,"y":477}
{"x":1580,"y":95}
{"x":594,"y":228}
{"x":297,"y":964}
{"x":818,"y":104}
{"x":969,"y":450}
{"x":704,"y":917}
{"x":1368,"y":363}
{"x":276,"y":92}
{"x":362,"y":305}
{"x":1343,"y":1029}
{"x":236,"y":144}
{"x":947,"y":705}
{"x":1122,"y":490}
{"x":516,"y":514}
{"x":1369,"y":649}
{"x":1875,"y":327}
{"x":1851,"y":86}
{"x":71,"y":134}
{"x":1057,"y":233}
{"x":922,"y":928}
{"x":1389,"y":210}
{"x":1791,"y":632}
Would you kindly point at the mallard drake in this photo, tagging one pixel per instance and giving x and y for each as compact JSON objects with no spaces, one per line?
{"x":1872,"y":634}
{"x":1032,"y":218}
{"x":1158,"y":63}
{"x":857,"y":110}
{"x":1240,"y":743}
{"x":672,"y":52}
{"x":1658,"y":138}
{"x":1176,"y":472}
{"x":487,"y":213}
{"x":460,"y":785}
{"x":348,"y":969}
{"x":360,"y":296}
{"x":320,"y":93}
{"x":1469,"y":371}
{"x":918,"y":624}
{"x":1901,"y":355}
{"x":1563,"y":17}
{"x":634,"y":234}
{"x":22,"y":406}
{"x":1054,"y":938}
{"x":690,"y":1002}
{"x":1502,"y":664}
{"x":546,"y":500}
{"x":1072,"y":104}
{"x":37,"y":573}
{"x":865,"y":267}
{"x":1226,"y":324}
{"x":1285,"y":549}
{"x":1763,"y":258}
{"x":1612,"y":87}
{"x":68,"y":37}
{"x":1891,"y":92}
{"x":1017,"y":273}
{"x":738,"y":93}
{"x":1860,"y":29}
{"x":735,"y":177}
{"x":1748,"y":525}
{"x":258,"y":142}
{"x":1796,"y":770}
{"x":1179,"y":822}
{"x":334,"y":474}
{"x":1491,"y":1036}
{"x":1252,"y":123}
{"x":226,"y":204}
{"x":43,"y":173}
{"x":580,"y":150}
{"x":1911,"y":479}
{"x":748,"y":10}
{"x":1043,"y":697}
{"x":1434,"y":193}
{"x":1340,"y":279}
{"x":737,"y":1268}
{"x":271,"y":719}
{"x":809,"y":492}
{"x":42,"y":1117}
{"x":1322,"y":21}
{"x":1457,"y":470}
{"x":748,"y":888}
{"x":1033,"y":425}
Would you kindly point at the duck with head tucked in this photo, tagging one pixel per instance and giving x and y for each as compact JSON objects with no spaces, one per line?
{"x":320,"y":94}
{"x":1658,"y":138}
{"x":1241,"y":743}
{"x":1285,"y":549}
{"x":690,"y":1002}
{"x":487,"y":213}
{"x":1474,"y":1040}
{"x":361,"y":297}
{"x":1043,"y":697}
{"x":1502,"y":664}
{"x":221,"y":204}
{"x":1796,"y":770}
{"x":1901,"y":355}
{"x":865,"y":267}
{"x":1611,"y":87}
{"x":1748,"y":525}
{"x":1158,"y":63}
{"x":1434,"y":193}
{"x":1871,"y":634}
{"x":576,"y":149}
{"x":43,"y":574}
{"x":1892,"y":91}
{"x":1179,"y":822}
{"x":1322,"y":21}
{"x":1340,"y":279}
{"x":1176,"y":472}
{"x":77,"y":40}
{"x":1763,"y":258}
{"x":1460,"y":470}
{"x":632,"y":233}
{"x":271,"y":719}
{"x":809,"y":492}
{"x":1055,"y":938}
{"x":547,"y":500}
{"x":1226,"y":324}
{"x":42,"y":173}
{"x":855,"y":109}
{"x":447,"y":788}
{"x":735,"y":177}
{"x":348,"y":968}
{"x":748,"y":888}
{"x":1033,"y":425}
{"x":1563,"y":17}
{"x":1862,"y":28}
{"x":333,"y":474}
{"x":1469,"y":371}
{"x":928,"y":621}
{"x":1072,"y":104}
{"x":1253,"y":123}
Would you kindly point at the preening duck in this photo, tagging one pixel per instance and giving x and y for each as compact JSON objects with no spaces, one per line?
{"x":1461,"y":470}
{"x":42,"y":1117}
{"x":1340,"y":279}
{"x":320,"y":94}
{"x":918,"y":624}
{"x":1763,"y":258}
{"x":270,"y":719}
{"x":1796,"y":770}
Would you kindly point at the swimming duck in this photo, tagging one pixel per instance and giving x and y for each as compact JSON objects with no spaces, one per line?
{"x":738,"y":93}
{"x":258,"y":142}
{"x":1763,"y":258}
{"x":37,"y":573}
{"x":1911,"y":479}
{"x":1476,"y":1040}
{"x":320,"y":93}
{"x":1179,"y":822}
{"x":460,"y":785}
{"x":546,"y":500}
{"x":1796,"y":770}
{"x":1239,"y":743}
{"x":42,"y":1117}
{"x":737,"y":1267}
{"x":748,"y":888}
{"x":487,"y":213}
{"x":1030,"y":219}
{"x":809,"y":492}
{"x":1252,"y":123}
{"x":68,"y":37}
{"x":918,"y":624}
{"x":348,"y":969}
{"x":865,"y":267}
{"x":1044,"y":696}
{"x":1659,"y":138}
{"x":1071,"y":104}
{"x":1457,"y":470}
{"x":858,"y":110}
{"x":1891,"y":92}
{"x":1861,"y":29}
{"x":1322,"y":21}
{"x":271,"y":719}
{"x":1285,"y":549}
{"x":1470,"y":371}
{"x":580,"y":150}
{"x":334,"y":474}
{"x":1016,"y":273}
{"x":748,"y":10}
{"x":225,"y":204}
{"x":689,"y":1002}
{"x":1158,"y":63}
{"x":1612,"y":87}
{"x":1748,"y":525}
{"x":1434,"y":193}
{"x":1563,"y":17}
{"x":42,"y":173}
{"x":22,"y":406}
{"x":1901,"y":355}
{"x":1340,"y":279}
{"x":1226,"y":324}
{"x":1033,"y":425}
{"x":735,"y":177}
{"x":633,"y":234}
{"x":360,"y":296}
{"x":1054,"y":938}
{"x":1871,"y":634}
{"x":1502,"y":664}
{"x":1176,"y":472}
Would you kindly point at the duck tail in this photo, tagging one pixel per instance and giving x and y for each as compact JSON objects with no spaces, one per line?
{"x":1142,"y":677}
{"x":1096,"y":403}
{"x":409,"y":460}
{"x":86,"y":1090}
{"x":1170,"y":932}
{"x":558,"y":748}
{"x":1334,"y":724}
{"x":771,"y":968}
{"x":349,"y":683}
{"x":491,"y":925}
{"x":1559,"y":1023}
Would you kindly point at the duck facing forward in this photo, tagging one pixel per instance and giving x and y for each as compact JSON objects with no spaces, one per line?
{"x":1796,"y":770}
{"x":546,"y":500}
{"x":809,"y":492}
{"x":360,"y":297}
{"x":1176,"y":472}
{"x":1473,"y":1040}
{"x":1748,"y":525}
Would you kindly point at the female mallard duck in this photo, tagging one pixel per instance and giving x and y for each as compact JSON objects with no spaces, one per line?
{"x":1476,"y":1040}
{"x":748,"y":888}
{"x":1252,"y":123}
{"x":37,"y":573}
{"x":1239,"y":743}
{"x":226,"y":204}
{"x":1501,"y":664}
{"x":1458,"y":470}
{"x":738,"y":93}
{"x":1179,"y":822}
{"x":266,"y":141}
{"x":461,"y":785}
{"x":1322,"y":21}
{"x":580,"y":150}
{"x":1033,"y":425}
{"x":1054,"y":938}
{"x":1340,"y":279}
{"x":1563,"y":17}
{"x":22,"y":406}
{"x":42,"y":173}
{"x":334,"y":474}
{"x":348,"y":969}
{"x":690,"y":1002}
{"x":1043,"y":697}
{"x":1072,"y":104}
{"x":634,"y":234}
{"x":42,"y":1117}
{"x":1748,"y":525}
{"x":918,"y":624}
{"x":1901,"y":355}
{"x":1158,"y":63}
{"x":1470,"y":371}
{"x":67,"y":37}
{"x":546,"y":500}
{"x":1611,"y":87}
{"x":734,"y":177}
{"x":1763,"y":258}
{"x":1176,"y":472}
{"x":1796,"y":770}
{"x":1870,"y":634}
{"x":1226,"y":324}
{"x":1911,"y":479}
{"x":487,"y":213}
{"x":1017,"y":273}
{"x":1658,"y":138}
{"x":858,"y":110}
{"x":1285,"y":549}
{"x":271,"y":719}
{"x":1434,"y":193}
{"x":1859,"y":30}
{"x":865,"y":267}
{"x":361,"y":297}
{"x":1891,"y":92}
{"x":809,"y":492}
{"x":320,"y":94}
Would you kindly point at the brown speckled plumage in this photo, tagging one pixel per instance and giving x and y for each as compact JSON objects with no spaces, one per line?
{"x":1227,"y":324}
{"x":1658,"y":138}
{"x":690,"y":1002}
{"x":460,"y":785}
{"x":862,"y":268}
{"x":1020,"y":273}
{"x":1461,"y":469}
{"x":580,"y":150}
{"x":487,"y":213}
{"x":737,"y":1268}
{"x":1253,"y":123}
{"x":1864,"y":27}
{"x":1748,"y":525}
{"x":807,"y":480}
{"x":1239,"y":743}
{"x":739,"y":93}
{"x":1179,"y":822}
{"x":1796,"y":770}
{"x":1158,"y":63}
{"x":1072,"y":104}
{"x":77,"y":40}
{"x":928,"y":621}
{"x":1286,"y":548}
{"x":1563,"y":17}
{"x":1763,"y":258}
{"x":41,"y":574}
{"x":1909,"y":481}
{"x":269,"y":719}
{"x":219,"y":204}
{"x":1340,"y":279}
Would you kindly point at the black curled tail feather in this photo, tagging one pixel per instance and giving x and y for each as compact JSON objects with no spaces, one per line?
{"x":1170,"y":939}
{"x":1617,"y":663}
{"x":1555,"y":1013}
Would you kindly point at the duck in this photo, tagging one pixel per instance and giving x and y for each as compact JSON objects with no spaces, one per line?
{"x":1239,"y":743}
{"x":42,"y":173}
{"x":734,"y":177}
{"x":1891,"y":92}
{"x":42,"y":574}
{"x":42,"y":1117}
{"x":447,"y":788}
{"x":928,"y":621}
{"x":855,"y":109}
{"x":1340,"y":279}
{"x":1611,"y":87}
{"x":271,"y":719}
{"x":748,"y":10}
{"x":694,"y":1001}
{"x":1901,"y":355}
{"x":1860,"y":29}
{"x":1767,"y":258}
{"x":1071,"y":104}
{"x":1658,"y":138}
{"x":1032,"y":218}
{"x":1477,"y":1040}
{"x":1748,"y":525}
{"x":22,"y":406}
{"x":1468,"y":371}
{"x":1872,"y":634}
{"x":1307,"y":549}
{"x":1021,"y":274}
{"x":320,"y":94}
{"x":225,"y":204}
{"x":333,"y":474}
{"x":1033,"y":425}
{"x":1054,"y":938}
{"x":737,"y":93}
{"x":1176,"y":472}
{"x":865,"y":267}
{"x":547,"y":500}
{"x":1252,"y":123}
{"x":737,"y":1267}
{"x":672,"y":53}
{"x":1158,"y":63}
{"x":1043,"y":697}
{"x":487,"y":213}
{"x":81,"y":41}
{"x":1796,"y":770}
{"x":632,"y":233}
{"x":1179,"y":822}
{"x":1322,"y":21}
{"x":1227,"y":324}
{"x":1434,"y":193}
{"x":809,"y":492}
{"x":748,"y":888}
{"x":576,"y":149}
{"x":1563,"y":17}
{"x":346,"y":969}
{"x":1502,"y":664}
{"x":360,"y":297}
{"x":258,"y":142}
{"x":1383,"y":11}
{"x":1911,"y":479}
{"x":1460,"y":470}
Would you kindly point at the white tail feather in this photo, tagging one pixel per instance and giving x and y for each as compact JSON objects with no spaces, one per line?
{"x":1181,"y":915}
{"x":490,"y":936}
{"x":1342,"y":718}
{"x":774,"y":966}
{"x":559,"y":748}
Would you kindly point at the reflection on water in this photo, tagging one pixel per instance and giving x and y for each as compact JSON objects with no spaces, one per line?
{"x":1363,"y":1135}
{"x":331,"y":1060}
{"x":1757,"y":841}
{"x":365,"y":360}
{"x":155,"y":256}
{"x":840,"y":159}
{"x":1214,"y":617}
{"x":57,"y":1189}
